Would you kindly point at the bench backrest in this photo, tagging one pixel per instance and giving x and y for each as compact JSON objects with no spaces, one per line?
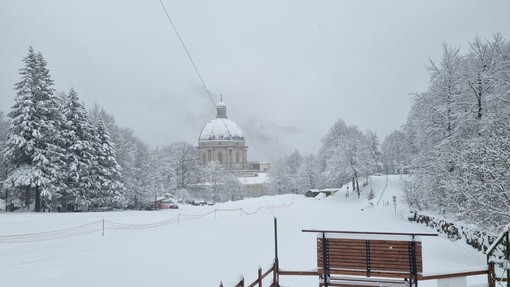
{"x":370,"y":257}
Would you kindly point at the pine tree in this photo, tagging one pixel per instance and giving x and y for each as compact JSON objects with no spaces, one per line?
{"x":4,"y":128}
{"x":33,"y":151}
{"x":81,"y":161}
{"x":108,"y":170}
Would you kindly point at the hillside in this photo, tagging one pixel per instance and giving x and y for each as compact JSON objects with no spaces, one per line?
{"x":199,"y":246}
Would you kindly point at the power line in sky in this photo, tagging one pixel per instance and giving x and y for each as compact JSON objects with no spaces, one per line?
{"x":193,"y":63}
{"x":187,"y":52}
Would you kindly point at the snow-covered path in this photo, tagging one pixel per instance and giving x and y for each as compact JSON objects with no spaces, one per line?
{"x":201,"y":251}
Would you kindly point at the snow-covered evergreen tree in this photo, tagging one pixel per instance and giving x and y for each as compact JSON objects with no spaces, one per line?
{"x":82,"y":159}
{"x":108,"y":173}
{"x":4,"y":129}
{"x":34,"y":152}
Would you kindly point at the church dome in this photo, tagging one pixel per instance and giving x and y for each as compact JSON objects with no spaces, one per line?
{"x":221,"y":129}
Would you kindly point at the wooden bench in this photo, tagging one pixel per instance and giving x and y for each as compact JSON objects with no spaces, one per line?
{"x":368,"y":259}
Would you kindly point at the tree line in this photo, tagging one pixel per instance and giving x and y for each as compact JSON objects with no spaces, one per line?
{"x":453,"y":150}
{"x":347,"y":156}
{"x":57,"y":155}
{"x":455,"y":144}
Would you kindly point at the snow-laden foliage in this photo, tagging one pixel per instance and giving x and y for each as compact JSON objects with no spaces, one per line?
{"x":456,"y":140}
{"x":108,"y":172}
{"x":4,"y":129}
{"x":56,"y":158}
{"x":183,"y":160}
{"x":81,"y":161}
{"x":396,"y":153}
{"x":284,"y":175}
{"x":218,"y":185}
{"x":348,"y":155}
{"x":33,"y":151}
{"x":294,"y":174}
{"x":479,"y":239}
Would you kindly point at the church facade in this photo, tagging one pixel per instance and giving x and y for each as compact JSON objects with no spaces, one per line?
{"x":222,"y":140}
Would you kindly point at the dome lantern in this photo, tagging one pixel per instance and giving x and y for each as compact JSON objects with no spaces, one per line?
{"x":221,"y":110}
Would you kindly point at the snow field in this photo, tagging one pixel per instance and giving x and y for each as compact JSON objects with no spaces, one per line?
{"x":205,"y":250}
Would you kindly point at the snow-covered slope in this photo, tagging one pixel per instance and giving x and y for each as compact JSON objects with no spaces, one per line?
{"x":201,"y":250}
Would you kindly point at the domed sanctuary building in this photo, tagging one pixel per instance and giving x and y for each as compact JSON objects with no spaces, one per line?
{"x":222,"y":140}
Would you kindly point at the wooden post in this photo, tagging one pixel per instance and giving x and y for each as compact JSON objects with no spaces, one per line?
{"x":276,"y":263}
{"x":325,"y":255}
{"x":102,"y":235}
{"x":274,"y":275}
{"x":490,"y":274}
{"x":260,"y":277}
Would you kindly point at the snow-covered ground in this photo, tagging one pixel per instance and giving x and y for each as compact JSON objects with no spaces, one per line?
{"x":185,"y":247}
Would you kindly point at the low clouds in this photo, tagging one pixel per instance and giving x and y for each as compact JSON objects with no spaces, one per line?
{"x":287,"y":70}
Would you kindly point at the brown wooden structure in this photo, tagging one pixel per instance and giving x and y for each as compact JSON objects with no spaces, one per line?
{"x":379,"y":259}
{"x":348,"y":258}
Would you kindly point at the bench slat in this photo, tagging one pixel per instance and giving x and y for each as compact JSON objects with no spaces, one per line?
{"x":359,"y":281}
{"x":386,"y":258}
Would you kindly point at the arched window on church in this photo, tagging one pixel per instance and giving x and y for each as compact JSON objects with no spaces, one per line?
{"x":220,"y":157}
{"x":238,"y":158}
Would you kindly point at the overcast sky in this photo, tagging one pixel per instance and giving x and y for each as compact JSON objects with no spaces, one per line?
{"x":287,"y":69}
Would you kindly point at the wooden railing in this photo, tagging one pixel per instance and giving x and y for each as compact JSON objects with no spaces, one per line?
{"x":502,"y":241}
{"x":260,"y":276}
{"x":276,"y":273}
{"x":489,"y":270}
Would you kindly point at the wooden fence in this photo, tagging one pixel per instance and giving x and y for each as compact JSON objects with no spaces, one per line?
{"x":258,"y":283}
{"x":276,"y":273}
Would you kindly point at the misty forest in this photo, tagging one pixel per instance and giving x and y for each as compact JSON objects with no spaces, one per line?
{"x":453,"y":152}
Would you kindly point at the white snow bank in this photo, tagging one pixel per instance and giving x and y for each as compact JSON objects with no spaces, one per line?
{"x":204,"y":250}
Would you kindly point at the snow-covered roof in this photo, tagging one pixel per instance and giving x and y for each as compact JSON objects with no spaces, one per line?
{"x":259,"y":179}
{"x":221,"y":129}
{"x":330,"y":189}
